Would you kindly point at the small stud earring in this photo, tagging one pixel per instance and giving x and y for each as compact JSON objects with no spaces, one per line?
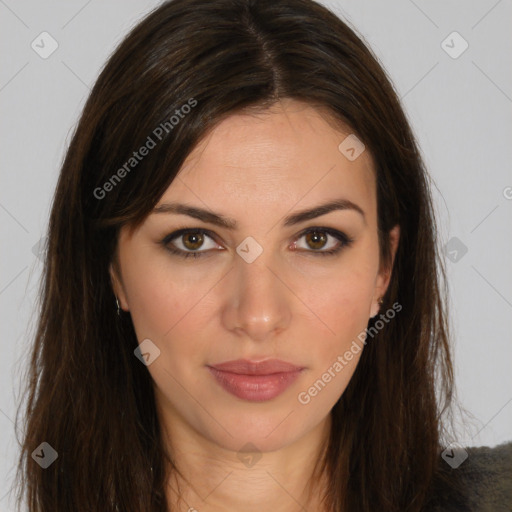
{"x":381,"y":301}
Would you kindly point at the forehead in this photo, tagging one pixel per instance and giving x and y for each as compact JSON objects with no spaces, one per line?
{"x":284,"y":155}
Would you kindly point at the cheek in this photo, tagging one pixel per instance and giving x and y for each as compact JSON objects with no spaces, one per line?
{"x":345,"y":299}
{"x":344,"y":310}
{"x":343,"y":305}
{"x":167,"y":310}
{"x":157,"y":297}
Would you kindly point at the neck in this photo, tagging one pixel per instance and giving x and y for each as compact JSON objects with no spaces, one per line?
{"x":212,"y":478}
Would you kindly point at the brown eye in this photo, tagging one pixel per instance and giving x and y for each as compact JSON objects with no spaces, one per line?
{"x":316,"y":239}
{"x":193,"y":240}
{"x":189,"y":242}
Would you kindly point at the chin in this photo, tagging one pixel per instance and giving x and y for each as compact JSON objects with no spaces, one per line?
{"x":268,"y":430}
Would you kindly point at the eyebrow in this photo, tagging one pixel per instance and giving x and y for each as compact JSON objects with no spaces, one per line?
{"x":225,"y":222}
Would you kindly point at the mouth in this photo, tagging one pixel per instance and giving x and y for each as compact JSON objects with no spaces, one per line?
{"x":255,"y":381}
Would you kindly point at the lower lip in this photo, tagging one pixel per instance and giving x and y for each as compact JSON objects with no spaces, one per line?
{"x":255,"y":388}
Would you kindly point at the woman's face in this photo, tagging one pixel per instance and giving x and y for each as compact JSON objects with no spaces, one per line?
{"x":262,"y":290}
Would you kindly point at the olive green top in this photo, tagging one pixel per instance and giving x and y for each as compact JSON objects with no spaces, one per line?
{"x":481,"y":483}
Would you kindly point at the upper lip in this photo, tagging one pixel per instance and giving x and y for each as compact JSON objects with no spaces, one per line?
{"x":247,"y":367}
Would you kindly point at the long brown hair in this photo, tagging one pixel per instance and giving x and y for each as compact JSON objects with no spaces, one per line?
{"x":88,"y":396}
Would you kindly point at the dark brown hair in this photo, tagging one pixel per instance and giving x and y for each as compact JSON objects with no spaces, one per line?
{"x":88,"y":396}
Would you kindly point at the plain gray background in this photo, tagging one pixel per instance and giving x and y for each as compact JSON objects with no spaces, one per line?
{"x":459,"y":107}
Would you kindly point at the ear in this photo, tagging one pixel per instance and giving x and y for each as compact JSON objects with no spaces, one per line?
{"x":384,"y":276}
{"x":117,"y":285}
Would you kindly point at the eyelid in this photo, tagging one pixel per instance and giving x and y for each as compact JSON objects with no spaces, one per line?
{"x":183,"y":231}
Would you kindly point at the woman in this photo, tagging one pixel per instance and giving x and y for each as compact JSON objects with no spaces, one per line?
{"x":289,"y":363}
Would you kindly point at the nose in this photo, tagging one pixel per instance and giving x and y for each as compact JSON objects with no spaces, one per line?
{"x":257,"y":300}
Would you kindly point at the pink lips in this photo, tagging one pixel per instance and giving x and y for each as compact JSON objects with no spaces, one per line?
{"x":255,"y":381}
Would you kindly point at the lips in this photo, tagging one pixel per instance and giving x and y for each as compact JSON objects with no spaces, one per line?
{"x":255,"y":381}
{"x":245,"y":367}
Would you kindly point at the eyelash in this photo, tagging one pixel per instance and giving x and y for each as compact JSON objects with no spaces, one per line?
{"x":345,"y":240}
